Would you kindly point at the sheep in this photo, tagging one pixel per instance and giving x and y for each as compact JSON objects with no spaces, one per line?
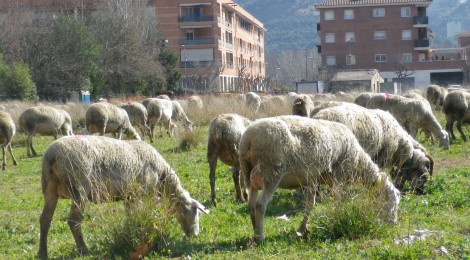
{"x":164,"y":111}
{"x":252,"y":101}
{"x":385,"y":140}
{"x":195,"y":103}
{"x":7,"y":131}
{"x":105,"y":118}
{"x":100,"y":169}
{"x":436,"y":94}
{"x":411,"y":114}
{"x":303,"y":106}
{"x":138,"y":116}
{"x":44,"y":120}
{"x":291,"y":152}
{"x":456,"y":108}
{"x":225,"y":131}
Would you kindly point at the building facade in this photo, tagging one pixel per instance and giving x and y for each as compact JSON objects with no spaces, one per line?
{"x":392,"y":36}
{"x":219,"y":44}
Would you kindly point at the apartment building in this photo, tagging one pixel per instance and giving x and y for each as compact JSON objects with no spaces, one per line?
{"x":219,"y":44}
{"x":388,"y":35}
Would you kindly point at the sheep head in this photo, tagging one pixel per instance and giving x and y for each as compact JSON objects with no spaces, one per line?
{"x":416,"y":170}
{"x":188,"y":214}
{"x":444,"y":140}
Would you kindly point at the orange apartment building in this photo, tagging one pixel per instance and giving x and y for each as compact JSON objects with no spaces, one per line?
{"x":219,"y":44}
{"x":384,"y":34}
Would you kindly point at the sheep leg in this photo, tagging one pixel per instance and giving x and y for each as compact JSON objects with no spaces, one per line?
{"x":258,"y":209}
{"x":236,"y":180}
{"x":310,"y":196}
{"x":450,"y":126}
{"x":31,"y":152}
{"x":74,"y":222}
{"x":212,"y":169}
{"x":459,"y":127}
{"x":50,"y":198}
{"x":4,"y":165}
{"x":12,"y":156}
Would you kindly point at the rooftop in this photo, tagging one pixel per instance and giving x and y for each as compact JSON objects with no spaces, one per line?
{"x":341,"y":3}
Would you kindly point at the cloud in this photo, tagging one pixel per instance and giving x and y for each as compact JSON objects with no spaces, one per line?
{"x":462,"y":1}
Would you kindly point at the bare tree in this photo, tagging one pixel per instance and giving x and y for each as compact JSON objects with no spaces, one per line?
{"x":401,"y":69}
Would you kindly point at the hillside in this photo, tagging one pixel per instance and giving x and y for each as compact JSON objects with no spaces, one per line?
{"x":292,"y":24}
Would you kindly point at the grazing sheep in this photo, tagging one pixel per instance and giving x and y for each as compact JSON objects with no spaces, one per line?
{"x":436,"y":94}
{"x":105,"y":118}
{"x":100,"y":169}
{"x":303,"y":106}
{"x":385,"y":140}
{"x":164,"y":111}
{"x":412,"y":114}
{"x":7,"y":131}
{"x":456,"y":108}
{"x":291,"y":152}
{"x":195,"y":103}
{"x":252,"y":101}
{"x":44,"y":120}
{"x":138,"y":116}
{"x":225,"y":131}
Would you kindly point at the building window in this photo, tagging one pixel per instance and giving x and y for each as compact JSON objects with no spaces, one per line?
{"x":380,"y":35}
{"x":329,"y":37}
{"x":329,"y":15}
{"x":349,"y":37}
{"x":348,"y":14}
{"x":330,"y":60}
{"x":407,"y":57}
{"x":380,"y":57}
{"x":405,"y":12}
{"x":406,"y":35}
{"x":379,"y":12}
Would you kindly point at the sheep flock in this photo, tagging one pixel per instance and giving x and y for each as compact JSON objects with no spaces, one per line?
{"x":306,"y":142}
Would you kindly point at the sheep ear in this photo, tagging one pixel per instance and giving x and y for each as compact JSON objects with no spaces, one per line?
{"x":431,"y":164}
{"x":199,"y":206}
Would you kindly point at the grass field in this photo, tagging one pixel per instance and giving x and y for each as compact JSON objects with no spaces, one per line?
{"x":339,"y":230}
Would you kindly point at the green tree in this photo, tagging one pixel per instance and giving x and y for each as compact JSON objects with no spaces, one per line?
{"x":16,"y":81}
{"x":64,"y":58}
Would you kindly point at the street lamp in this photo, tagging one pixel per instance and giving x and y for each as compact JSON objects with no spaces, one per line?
{"x":306,"y":58}
{"x":185,"y":59}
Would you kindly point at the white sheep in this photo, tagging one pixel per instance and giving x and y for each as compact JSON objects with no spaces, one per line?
{"x":385,"y":140}
{"x":164,"y":111}
{"x":195,"y":103}
{"x":412,"y":114}
{"x":100,"y":169}
{"x":225,"y":131}
{"x":252,"y":101}
{"x":364,"y":97}
{"x":457,"y":108}
{"x":138,"y":116}
{"x":106,"y":118}
{"x":7,"y":131}
{"x":44,"y":120}
{"x":291,"y":152}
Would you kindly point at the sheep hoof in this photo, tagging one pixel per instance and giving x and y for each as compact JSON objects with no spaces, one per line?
{"x":214,"y":201}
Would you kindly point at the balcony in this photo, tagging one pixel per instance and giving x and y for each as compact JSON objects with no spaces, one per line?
{"x":188,"y":18}
{"x":196,"y":64}
{"x":318,"y":27}
{"x":420,"y":21}
{"x":197,"y":41}
{"x":421,"y":44}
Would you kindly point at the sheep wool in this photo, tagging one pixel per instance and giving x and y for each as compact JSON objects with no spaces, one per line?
{"x":225,"y":131}
{"x":292,"y":151}
{"x":7,"y":131}
{"x":102,"y":169}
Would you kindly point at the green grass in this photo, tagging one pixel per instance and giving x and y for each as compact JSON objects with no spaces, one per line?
{"x":348,"y":229}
